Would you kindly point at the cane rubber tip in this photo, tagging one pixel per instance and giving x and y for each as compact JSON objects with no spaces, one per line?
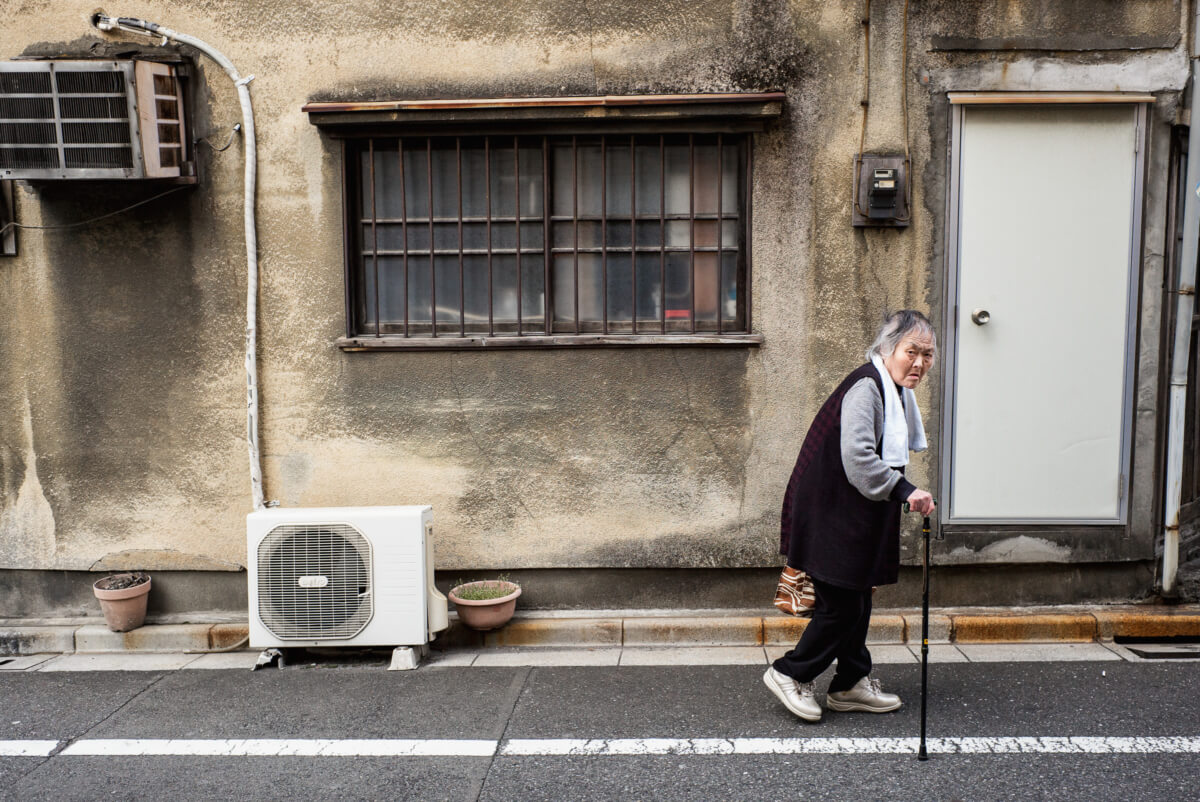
{"x":922,"y":756}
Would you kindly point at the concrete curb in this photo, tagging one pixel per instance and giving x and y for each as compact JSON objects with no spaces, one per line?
{"x":662,"y":629}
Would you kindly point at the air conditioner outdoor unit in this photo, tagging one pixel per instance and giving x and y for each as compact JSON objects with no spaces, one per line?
{"x":342,"y":576}
{"x":93,"y":119}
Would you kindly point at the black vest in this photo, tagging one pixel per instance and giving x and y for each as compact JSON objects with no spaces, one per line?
{"x":828,"y":528}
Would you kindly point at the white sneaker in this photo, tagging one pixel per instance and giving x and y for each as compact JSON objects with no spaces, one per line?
{"x":797,"y":697}
{"x":867,"y":695}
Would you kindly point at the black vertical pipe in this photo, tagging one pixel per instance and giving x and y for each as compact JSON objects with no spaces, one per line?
{"x":517,"y":212}
{"x":462,"y":304}
{"x":404,"y":226}
{"x":432,"y":267}
{"x":374,"y":234}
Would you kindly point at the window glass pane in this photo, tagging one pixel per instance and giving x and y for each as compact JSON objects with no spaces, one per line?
{"x":366,"y":300}
{"x":729,"y":296}
{"x":504,"y":236}
{"x":418,"y":237}
{"x":649,"y":282}
{"x":416,"y":179}
{"x":475,"y":289}
{"x":729,"y":234}
{"x":589,"y":233}
{"x":448,"y":289}
{"x":531,"y":236}
{"x":649,"y":191}
{"x":707,"y":289}
{"x":679,"y":286}
{"x":504,"y":203}
{"x":706,"y":178}
{"x":618,"y":187}
{"x":445,"y":236}
{"x":474,"y":179}
{"x":419,"y":285}
{"x":563,"y":290}
{"x":679,"y":233}
{"x":730,"y":180}
{"x":445,"y":181}
{"x":590,"y":299}
{"x":706,"y":233}
{"x":677,"y":184}
{"x":531,"y":181}
{"x":620,"y":288}
{"x":564,"y":234}
{"x":561,"y":166}
{"x":387,"y":179}
{"x":475,"y":236}
{"x":391,"y":292}
{"x":533,"y":292}
{"x":390,"y":236}
{"x":589,"y":180}
{"x":504,"y":289}
{"x":619,"y":234}
{"x":649,"y":234}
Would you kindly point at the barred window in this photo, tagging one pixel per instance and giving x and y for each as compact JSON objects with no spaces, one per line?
{"x":519,"y":235}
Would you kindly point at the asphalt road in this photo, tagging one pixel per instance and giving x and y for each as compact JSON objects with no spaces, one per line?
{"x":511,"y":707}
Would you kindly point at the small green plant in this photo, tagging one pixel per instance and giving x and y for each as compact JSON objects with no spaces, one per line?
{"x":482,"y":590}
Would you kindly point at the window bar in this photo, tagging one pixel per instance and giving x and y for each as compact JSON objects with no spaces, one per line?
{"x":604,"y":234}
{"x":633,"y":229}
{"x":746,"y":227}
{"x":720,"y":227}
{"x":517,"y":194}
{"x":462,"y":304}
{"x":432,"y":269}
{"x":692,"y":215}
{"x":404,"y":226}
{"x":662,"y":232}
{"x":374,"y":233}
{"x":487,"y":202}
{"x":575,"y":218}
{"x":546,"y":241}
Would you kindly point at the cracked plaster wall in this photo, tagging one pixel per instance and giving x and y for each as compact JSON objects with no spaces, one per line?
{"x":126,"y":337}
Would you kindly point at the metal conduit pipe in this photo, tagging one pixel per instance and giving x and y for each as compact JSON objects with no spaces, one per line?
{"x":1184,"y":291}
{"x":106,"y":23}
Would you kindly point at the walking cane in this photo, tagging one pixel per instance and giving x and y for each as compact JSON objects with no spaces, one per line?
{"x":922,"y":754}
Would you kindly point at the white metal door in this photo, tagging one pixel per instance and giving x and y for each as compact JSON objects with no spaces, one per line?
{"x":1047,"y":222}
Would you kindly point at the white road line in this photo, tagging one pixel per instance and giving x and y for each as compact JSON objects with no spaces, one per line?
{"x":27,"y":748}
{"x":550,"y":747}
{"x":849,"y":746}
{"x":277,"y":747}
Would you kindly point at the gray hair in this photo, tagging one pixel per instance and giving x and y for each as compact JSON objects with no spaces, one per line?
{"x":896,"y":327}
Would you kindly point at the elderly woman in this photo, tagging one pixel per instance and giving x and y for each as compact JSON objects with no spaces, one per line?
{"x":841,"y":517}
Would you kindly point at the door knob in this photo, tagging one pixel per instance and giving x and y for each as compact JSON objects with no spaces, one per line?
{"x":980,"y":317}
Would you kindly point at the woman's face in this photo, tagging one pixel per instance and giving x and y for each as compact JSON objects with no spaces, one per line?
{"x":911,"y":360}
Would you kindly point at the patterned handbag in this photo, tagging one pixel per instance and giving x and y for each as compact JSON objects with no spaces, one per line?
{"x":795,"y":594}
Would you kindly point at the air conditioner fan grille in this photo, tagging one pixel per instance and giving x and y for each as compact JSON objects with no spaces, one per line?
{"x":314,"y":581}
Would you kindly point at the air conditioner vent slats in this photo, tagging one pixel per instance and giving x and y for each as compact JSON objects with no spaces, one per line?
{"x":27,"y":133}
{"x":25,"y":83}
{"x":29,"y":159}
{"x":90,"y":82}
{"x":26,"y":108}
{"x":314,"y":581}
{"x":95,"y":108}
{"x":95,"y":133}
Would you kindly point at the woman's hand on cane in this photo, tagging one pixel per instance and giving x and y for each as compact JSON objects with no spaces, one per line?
{"x":922,"y":502}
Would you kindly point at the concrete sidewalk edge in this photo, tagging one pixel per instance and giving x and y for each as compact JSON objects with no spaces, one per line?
{"x":636,"y":629}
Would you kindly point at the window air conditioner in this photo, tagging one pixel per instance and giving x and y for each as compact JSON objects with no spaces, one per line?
{"x":342,"y":576}
{"x":93,"y":120}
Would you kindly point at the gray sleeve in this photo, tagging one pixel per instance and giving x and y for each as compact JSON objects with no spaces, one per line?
{"x":862,"y":428}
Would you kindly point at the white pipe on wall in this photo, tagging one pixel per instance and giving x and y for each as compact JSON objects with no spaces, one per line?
{"x":1184,"y":291}
{"x":107,"y":23}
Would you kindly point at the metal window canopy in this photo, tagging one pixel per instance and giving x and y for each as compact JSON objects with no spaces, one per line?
{"x":732,"y":112}
{"x":1058,"y":98}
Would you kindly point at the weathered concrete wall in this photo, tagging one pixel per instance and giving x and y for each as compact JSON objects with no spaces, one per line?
{"x":121,"y":387}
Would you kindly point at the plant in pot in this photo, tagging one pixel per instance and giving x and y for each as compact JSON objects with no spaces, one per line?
{"x":485,"y":604}
{"x":123,"y":599}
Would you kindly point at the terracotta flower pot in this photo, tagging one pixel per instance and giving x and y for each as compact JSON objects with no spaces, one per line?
{"x":124,"y":607}
{"x":485,"y":614}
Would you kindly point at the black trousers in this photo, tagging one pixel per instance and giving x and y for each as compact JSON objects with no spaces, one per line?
{"x":837,"y":631}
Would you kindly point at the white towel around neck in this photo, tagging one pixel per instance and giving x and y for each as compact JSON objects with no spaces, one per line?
{"x":902,"y":426}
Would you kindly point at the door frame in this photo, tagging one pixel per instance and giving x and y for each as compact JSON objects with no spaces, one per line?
{"x":959,"y":101}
